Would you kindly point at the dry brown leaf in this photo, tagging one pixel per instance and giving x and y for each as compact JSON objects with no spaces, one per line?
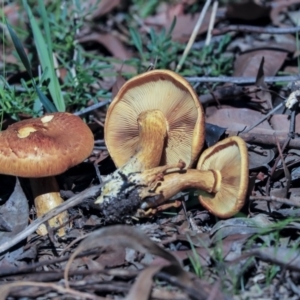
{"x":264,"y":95}
{"x":113,"y":257}
{"x":130,"y":237}
{"x":104,"y":7}
{"x":14,"y":214}
{"x":234,"y":226}
{"x":165,"y":16}
{"x":141,"y":289}
{"x":120,"y":80}
{"x":292,"y":70}
{"x":236,"y":119}
{"x":110,"y":42}
{"x":278,"y":8}
{"x":260,"y":63}
{"x":259,"y":157}
{"x":12,"y":14}
{"x":281,"y":123}
{"x":184,"y":26}
{"x":100,"y":8}
{"x":285,"y":257}
{"x":113,"y":45}
{"x":247,"y":64}
{"x":203,"y":255}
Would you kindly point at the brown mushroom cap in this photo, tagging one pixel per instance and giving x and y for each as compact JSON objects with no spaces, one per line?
{"x":171,"y":94}
{"x":44,"y":146}
{"x":230,"y":158}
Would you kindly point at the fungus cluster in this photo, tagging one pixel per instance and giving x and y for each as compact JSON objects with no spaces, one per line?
{"x":154,"y":132}
{"x":41,"y":148}
{"x":155,"y":119}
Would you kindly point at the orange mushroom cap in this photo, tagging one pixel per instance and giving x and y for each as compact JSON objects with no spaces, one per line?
{"x":229,"y":160}
{"x":44,"y":146}
{"x":175,"y":98}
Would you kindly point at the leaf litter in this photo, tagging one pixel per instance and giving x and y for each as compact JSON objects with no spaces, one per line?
{"x":186,"y":252}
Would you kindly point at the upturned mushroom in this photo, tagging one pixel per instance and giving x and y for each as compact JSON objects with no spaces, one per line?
{"x":155,"y":119}
{"x":41,"y":148}
{"x":181,"y":119}
{"x":221,"y":179}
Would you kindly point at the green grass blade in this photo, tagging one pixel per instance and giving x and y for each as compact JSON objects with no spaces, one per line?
{"x":24,"y":58}
{"x":46,"y":61}
{"x":47,"y":29}
{"x":46,"y":102}
{"x":136,"y":38}
{"x":20,"y":49}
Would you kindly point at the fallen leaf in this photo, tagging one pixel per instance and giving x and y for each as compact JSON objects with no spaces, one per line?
{"x":236,"y":119}
{"x":278,"y":8}
{"x":184,"y":26}
{"x":113,"y":257}
{"x":213,"y":133}
{"x":110,"y":42}
{"x":259,"y":157}
{"x":234,"y":226}
{"x":15,"y":213}
{"x":103,"y":7}
{"x":281,"y":123}
{"x":133,"y":238}
{"x":288,"y":258}
{"x":141,"y":289}
{"x":120,"y":80}
{"x":113,"y":45}
{"x":263,"y":95}
{"x":247,"y":64}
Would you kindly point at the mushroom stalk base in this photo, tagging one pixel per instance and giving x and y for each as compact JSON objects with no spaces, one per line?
{"x":126,"y":202}
{"x":46,"y":197}
{"x":152,"y":133}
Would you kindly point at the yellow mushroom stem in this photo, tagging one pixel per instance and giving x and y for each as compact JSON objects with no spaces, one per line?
{"x":46,"y":195}
{"x":153,"y":129}
{"x":172,"y":183}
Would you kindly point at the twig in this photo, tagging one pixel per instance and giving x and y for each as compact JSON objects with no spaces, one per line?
{"x":276,"y":199}
{"x":77,"y":199}
{"x":285,"y":144}
{"x":30,"y":268}
{"x":255,"y":29}
{"x":222,"y":93}
{"x":6,"y":288}
{"x":265,"y":117}
{"x":211,"y":22}
{"x":193,"y":35}
{"x":285,"y":169}
{"x":242,"y":80}
{"x":91,"y":108}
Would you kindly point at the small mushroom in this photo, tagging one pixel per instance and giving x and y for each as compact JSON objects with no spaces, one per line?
{"x":41,"y":148}
{"x":221,"y":179}
{"x":155,"y":119}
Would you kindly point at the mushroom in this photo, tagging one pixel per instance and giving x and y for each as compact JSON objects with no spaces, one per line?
{"x":155,"y":119}
{"x":41,"y":148}
{"x":221,"y":179}
{"x":180,"y":108}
